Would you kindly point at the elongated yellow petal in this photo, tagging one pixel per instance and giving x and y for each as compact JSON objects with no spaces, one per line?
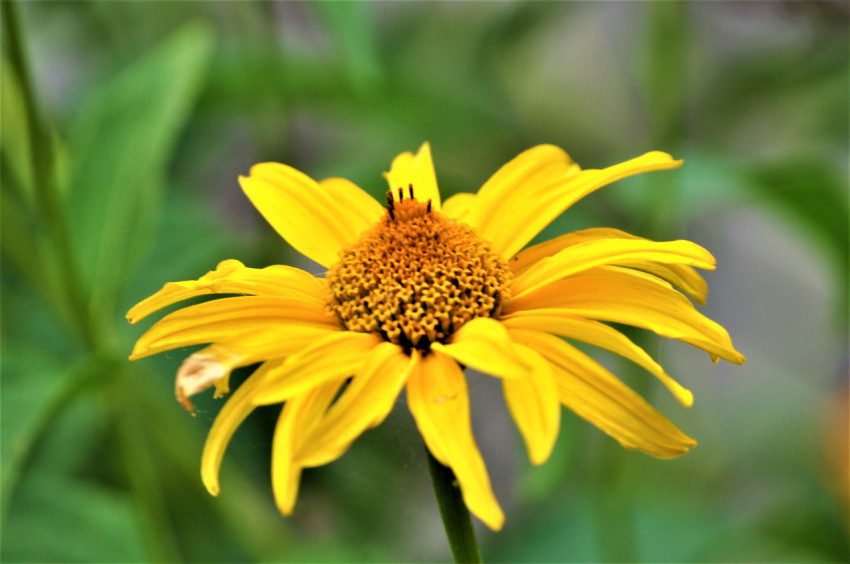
{"x":439,"y":401}
{"x":483,"y":344}
{"x":365,"y":403}
{"x":286,"y":477}
{"x":312,"y":218}
{"x":530,"y":256}
{"x":458,"y":205}
{"x":534,"y":405}
{"x":526,"y":194}
{"x":417,"y":171}
{"x":279,"y":341}
{"x":571,"y":326}
{"x":333,"y":357}
{"x":297,"y":416}
{"x":494,"y":211}
{"x":595,"y":394}
{"x":232,"y":414}
{"x":627,"y":296}
{"x":590,"y":254}
{"x":228,"y":317}
{"x":354,"y":200}
{"x":232,"y":277}
{"x":685,"y":277}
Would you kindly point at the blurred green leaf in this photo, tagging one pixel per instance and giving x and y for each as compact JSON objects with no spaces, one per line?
{"x":36,"y":387}
{"x":540,"y":482}
{"x":121,"y":145}
{"x":353,"y":28}
{"x":14,"y":132}
{"x":57,"y":511}
{"x":813,"y":194}
{"x":663,"y":61}
{"x":19,"y":236}
{"x":141,"y":471}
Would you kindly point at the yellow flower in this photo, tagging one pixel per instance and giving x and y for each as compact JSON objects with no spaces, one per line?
{"x":419,"y":289}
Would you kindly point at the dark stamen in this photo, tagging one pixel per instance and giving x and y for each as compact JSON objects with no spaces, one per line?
{"x":410,"y":189}
{"x":400,"y":194}
{"x":390,"y":203}
{"x":428,"y":207}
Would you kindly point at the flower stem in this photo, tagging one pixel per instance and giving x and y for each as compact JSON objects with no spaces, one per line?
{"x":453,"y":510}
{"x":43,"y":162}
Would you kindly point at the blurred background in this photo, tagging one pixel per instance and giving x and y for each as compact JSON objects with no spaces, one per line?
{"x":126,"y":124}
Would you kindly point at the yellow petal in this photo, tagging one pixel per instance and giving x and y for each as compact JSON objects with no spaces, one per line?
{"x":313,"y":219}
{"x":232,"y":277}
{"x":539,"y":169}
{"x":563,"y":324}
{"x":484,"y":344}
{"x":530,"y":256}
{"x":234,"y":411}
{"x":278,"y":341}
{"x":622,"y":295}
{"x":595,"y":394}
{"x":683,"y":276}
{"x":295,"y":418}
{"x":217,"y":320}
{"x":591,"y":254}
{"x":358,"y":203}
{"x":526,"y":194}
{"x":333,"y":357}
{"x":458,"y":205}
{"x":417,"y":171}
{"x":439,"y":401}
{"x":365,"y":403}
{"x":533,"y":403}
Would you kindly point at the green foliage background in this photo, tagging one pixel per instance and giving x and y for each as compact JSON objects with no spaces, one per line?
{"x":126,"y":124}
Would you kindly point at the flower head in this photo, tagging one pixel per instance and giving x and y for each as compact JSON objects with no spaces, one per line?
{"x":417,"y":290}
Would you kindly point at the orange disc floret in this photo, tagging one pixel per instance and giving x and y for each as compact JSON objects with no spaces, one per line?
{"x":416,"y":277}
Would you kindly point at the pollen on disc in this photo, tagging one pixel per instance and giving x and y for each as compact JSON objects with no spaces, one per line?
{"x":416,"y":277}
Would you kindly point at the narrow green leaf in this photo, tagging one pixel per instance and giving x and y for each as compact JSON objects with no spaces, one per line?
{"x":120,"y":147}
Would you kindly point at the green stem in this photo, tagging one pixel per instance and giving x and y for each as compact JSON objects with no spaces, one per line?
{"x":43,"y":167}
{"x":453,"y":510}
{"x":142,"y":470}
{"x":665,"y":52}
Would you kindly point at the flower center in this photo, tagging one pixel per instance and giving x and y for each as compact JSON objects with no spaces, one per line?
{"x":416,"y":277}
